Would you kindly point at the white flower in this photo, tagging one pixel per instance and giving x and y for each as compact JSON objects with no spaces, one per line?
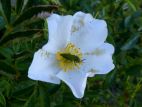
{"x":76,"y":50}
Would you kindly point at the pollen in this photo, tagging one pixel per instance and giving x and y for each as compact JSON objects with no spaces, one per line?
{"x":69,"y":58}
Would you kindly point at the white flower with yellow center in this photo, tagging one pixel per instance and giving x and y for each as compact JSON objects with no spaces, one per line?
{"x":76,"y":50}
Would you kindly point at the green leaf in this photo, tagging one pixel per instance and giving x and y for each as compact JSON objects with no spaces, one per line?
{"x":2,"y":100}
{"x":20,"y":34}
{"x":43,"y":98}
{"x":19,"y":5}
{"x":131,"y":42}
{"x":22,"y":87}
{"x":31,"y":102}
{"x":6,"y":6}
{"x":129,"y":20}
{"x":6,"y":66}
{"x":6,"y":52}
{"x":5,"y":87}
{"x":53,"y":89}
{"x":39,"y":98}
{"x":33,"y":11}
{"x":131,"y":5}
{"x":2,"y":23}
{"x":134,"y":70}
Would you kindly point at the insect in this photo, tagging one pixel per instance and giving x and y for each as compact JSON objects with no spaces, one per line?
{"x":70,"y":57}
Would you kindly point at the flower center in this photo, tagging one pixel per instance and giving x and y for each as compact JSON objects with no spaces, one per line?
{"x":69,"y":58}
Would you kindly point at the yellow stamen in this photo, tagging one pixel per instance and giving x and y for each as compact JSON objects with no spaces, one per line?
{"x":66,"y":63}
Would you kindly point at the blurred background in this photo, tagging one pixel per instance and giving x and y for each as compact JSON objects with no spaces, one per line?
{"x":23,"y":30}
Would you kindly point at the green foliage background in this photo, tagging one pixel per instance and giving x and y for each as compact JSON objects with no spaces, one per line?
{"x":22,"y":32}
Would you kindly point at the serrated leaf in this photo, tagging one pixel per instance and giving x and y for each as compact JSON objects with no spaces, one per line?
{"x":29,"y":13}
{"x":6,"y":6}
{"x":20,"y":34}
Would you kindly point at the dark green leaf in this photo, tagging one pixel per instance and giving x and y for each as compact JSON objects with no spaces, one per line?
{"x":19,"y":5}
{"x":5,"y":87}
{"x":53,"y":89}
{"x":6,"y":52}
{"x":31,"y":102}
{"x":134,"y":70}
{"x":21,"y":34}
{"x":33,"y":11}
{"x":6,"y":66}
{"x":6,"y":6}
{"x":2,"y":100}
{"x":131,"y":42}
{"x":2,"y":23}
{"x":23,"y":87}
{"x":43,"y":97}
{"x":39,"y":98}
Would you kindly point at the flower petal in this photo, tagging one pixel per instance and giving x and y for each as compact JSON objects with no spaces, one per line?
{"x":76,"y":80}
{"x":59,"y":32}
{"x":101,"y":64}
{"x":98,"y":59}
{"x":80,"y":15}
{"x":79,"y":20}
{"x":44,"y":67}
{"x":106,"y":48}
{"x":90,"y":36}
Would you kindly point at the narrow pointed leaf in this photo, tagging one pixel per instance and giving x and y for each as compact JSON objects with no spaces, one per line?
{"x":19,"y":5}
{"x":131,"y":42}
{"x":15,"y":35}
{"x":43,"y":97}
{"x":6,"y":6}
{"x":2,"y":100}
{"x":33,"y":11}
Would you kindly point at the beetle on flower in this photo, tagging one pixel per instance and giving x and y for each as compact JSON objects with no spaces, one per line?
{"x":75,"y":51}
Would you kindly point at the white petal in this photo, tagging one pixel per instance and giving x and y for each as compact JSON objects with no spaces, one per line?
{"x":59,"y":28}
{"x":101,"y":64}
{"x":82,"y":17}
{"x":106,"y":48}
{"x":99,"y":61}
{"x":94,"y":65}
{"x":44,"y":67}
{"x":91,"y":35}
{"x":76,"y":80}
